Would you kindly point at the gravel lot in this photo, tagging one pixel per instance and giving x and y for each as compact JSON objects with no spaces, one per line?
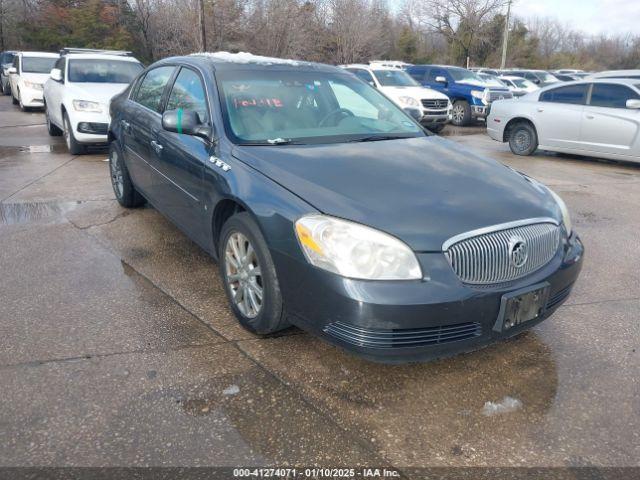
{"x":118,"y":347}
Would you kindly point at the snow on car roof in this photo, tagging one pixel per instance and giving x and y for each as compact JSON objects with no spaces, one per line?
{"x":246,"y":57}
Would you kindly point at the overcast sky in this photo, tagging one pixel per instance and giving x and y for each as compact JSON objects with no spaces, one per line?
{"x":590,"y":16}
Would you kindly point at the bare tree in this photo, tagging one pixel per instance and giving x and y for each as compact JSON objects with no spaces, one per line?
{"x":459,"y":21}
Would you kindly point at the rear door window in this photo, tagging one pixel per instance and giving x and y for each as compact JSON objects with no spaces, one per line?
{"x":152,"y":87}
{"x":572,"y":94}
{"x":611,"y":95}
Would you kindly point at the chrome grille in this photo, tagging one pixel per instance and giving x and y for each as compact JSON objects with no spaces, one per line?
{"x":436,"y":104}
{"x":485,"y":257}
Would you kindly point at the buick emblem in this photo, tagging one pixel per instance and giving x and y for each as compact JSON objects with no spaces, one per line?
{"x":518,"y":252}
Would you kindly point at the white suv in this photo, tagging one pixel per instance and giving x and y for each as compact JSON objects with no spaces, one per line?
{"x":79,"y":90}
{"x":432,"y":109}
{"x":27,"y":74}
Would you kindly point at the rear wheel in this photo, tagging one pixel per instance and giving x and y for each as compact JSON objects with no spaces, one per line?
{"x":250,"y":277}
{"x":13,"y":99}
{"x":74,"y":147}
{"x":523,"y":139}
{"x":461,"y":114}
{"x":123,"y":187}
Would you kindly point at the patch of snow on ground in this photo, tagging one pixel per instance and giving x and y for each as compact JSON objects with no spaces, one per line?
{"x":246,"y":57}
{"x":231,"y":390}
{"x":506,"y":405}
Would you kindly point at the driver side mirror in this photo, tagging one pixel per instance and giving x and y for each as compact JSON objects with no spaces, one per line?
{"x":372,"y":83}
{"x":633,"y":103}
{"x":441,"y":79}
{"x":56,"y":75}
{"x":186,"y":122}
{"x":12,"y":70}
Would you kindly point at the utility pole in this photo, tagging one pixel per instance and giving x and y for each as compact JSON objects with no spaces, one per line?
{"x":203,"y":33}
{"x":505,"y":40}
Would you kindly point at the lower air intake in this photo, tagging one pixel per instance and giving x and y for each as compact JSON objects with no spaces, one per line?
{"x":402,"y":338}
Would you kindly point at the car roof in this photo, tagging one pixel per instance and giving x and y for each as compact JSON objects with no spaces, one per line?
{"x":39,"y":54}
{"x":245,"y":61}
{"x":98,"y":56}
{"x":512,"y":77}
{"x":609,"y":73}
{"x":630,"y":82}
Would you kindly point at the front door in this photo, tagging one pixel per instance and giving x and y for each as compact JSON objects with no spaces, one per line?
{"x":181,"y":157}
{"x":608,"y":126}
{"x":559,"y":115}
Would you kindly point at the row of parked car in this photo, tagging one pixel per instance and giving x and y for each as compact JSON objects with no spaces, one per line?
{"x":74,"y":87}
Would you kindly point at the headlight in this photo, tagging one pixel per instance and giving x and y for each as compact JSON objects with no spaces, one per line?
{"x":409,"y":101}
{"x":35,"y":86}
{"x":566,"y":219}
{"x":481,"y":95}
{"x":355,"y":251}
{"x":87,"y":106}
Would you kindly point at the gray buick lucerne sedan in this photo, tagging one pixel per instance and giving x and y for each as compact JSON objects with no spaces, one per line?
{"x":328,"y":207}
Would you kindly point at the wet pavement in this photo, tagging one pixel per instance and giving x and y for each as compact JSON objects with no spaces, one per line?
{"x":118,"y":347}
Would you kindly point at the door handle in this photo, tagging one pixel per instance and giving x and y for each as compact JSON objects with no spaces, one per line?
{"x":590,"y":117}
{"x":125,"y":125}
{"x":156,"y":146}
{"x":540,"y":109}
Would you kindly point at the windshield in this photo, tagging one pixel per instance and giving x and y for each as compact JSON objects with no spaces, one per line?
{"x":464,"y":75}
{"x":102,"y":71}
{"x":491,"y":81}
{"x":38,"y":64}
{"x":546,"y":77}
{"x":523,"y":83}
{"x":273,"y":107}
{"x":394,"y":78}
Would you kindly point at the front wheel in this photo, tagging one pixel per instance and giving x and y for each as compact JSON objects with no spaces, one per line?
{"x":123,"y":187}
{"x":53,"y":130}
{"x":250,"y":277}
{"x":461,"y":114}
{"x":74,"y":147}
{"x":13,"y":99}
{"x":523,"y":139}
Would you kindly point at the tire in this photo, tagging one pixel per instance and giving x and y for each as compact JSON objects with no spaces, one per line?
{"x":123,"y":186}
{"x":461,"y":113}
{"x":53,"y":130}
{"x":74,"y":147}
{"x":22,"y":107}
{"x":523,"y":139}
{"x":13,"y":99}
{"x":269,"y":317}
{"x":437,"y":128}
{"x":6,"y":89}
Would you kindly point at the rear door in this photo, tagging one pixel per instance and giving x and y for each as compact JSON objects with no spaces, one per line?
{"x":181,"y":158}
{"x":608,"y":126}
{"x":558,"y":116}
{"x":142,"y":122}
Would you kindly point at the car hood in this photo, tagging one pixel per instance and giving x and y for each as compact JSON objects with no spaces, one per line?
{"x":95,"y":92}
{"x":34,"y":77}
{"x":414,"y":92}
{"x":422,"y":190}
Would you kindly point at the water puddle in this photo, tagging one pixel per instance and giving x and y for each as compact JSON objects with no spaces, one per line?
{"x":9,"y":151}
{"x":17,"y":213}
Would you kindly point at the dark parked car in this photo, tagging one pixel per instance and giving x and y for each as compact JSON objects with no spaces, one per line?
{"x":330,"y":208}
{"x":6,"y":60}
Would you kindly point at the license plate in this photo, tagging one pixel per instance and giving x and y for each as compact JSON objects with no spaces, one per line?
{"x":522,"y":306}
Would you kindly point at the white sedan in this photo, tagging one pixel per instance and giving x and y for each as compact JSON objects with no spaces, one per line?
{"x":599,"y":118}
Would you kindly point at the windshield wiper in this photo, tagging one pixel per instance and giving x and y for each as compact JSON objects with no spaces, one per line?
{"x":272,"y":141}
{"x":377,"y":138}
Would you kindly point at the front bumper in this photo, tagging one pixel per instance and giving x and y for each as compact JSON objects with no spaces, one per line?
{"x":480,"y":111}
{"x":31,"y":97}
{"x":426,"y":117}
{"x":89,"y":127}
{"x":440,"y":315}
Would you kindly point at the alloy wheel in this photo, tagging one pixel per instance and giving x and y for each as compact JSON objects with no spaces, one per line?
{"x":243,"y":275}
{"x":458,"y":113}
{"x":522,"y":140}
{"x":116,"y":174}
